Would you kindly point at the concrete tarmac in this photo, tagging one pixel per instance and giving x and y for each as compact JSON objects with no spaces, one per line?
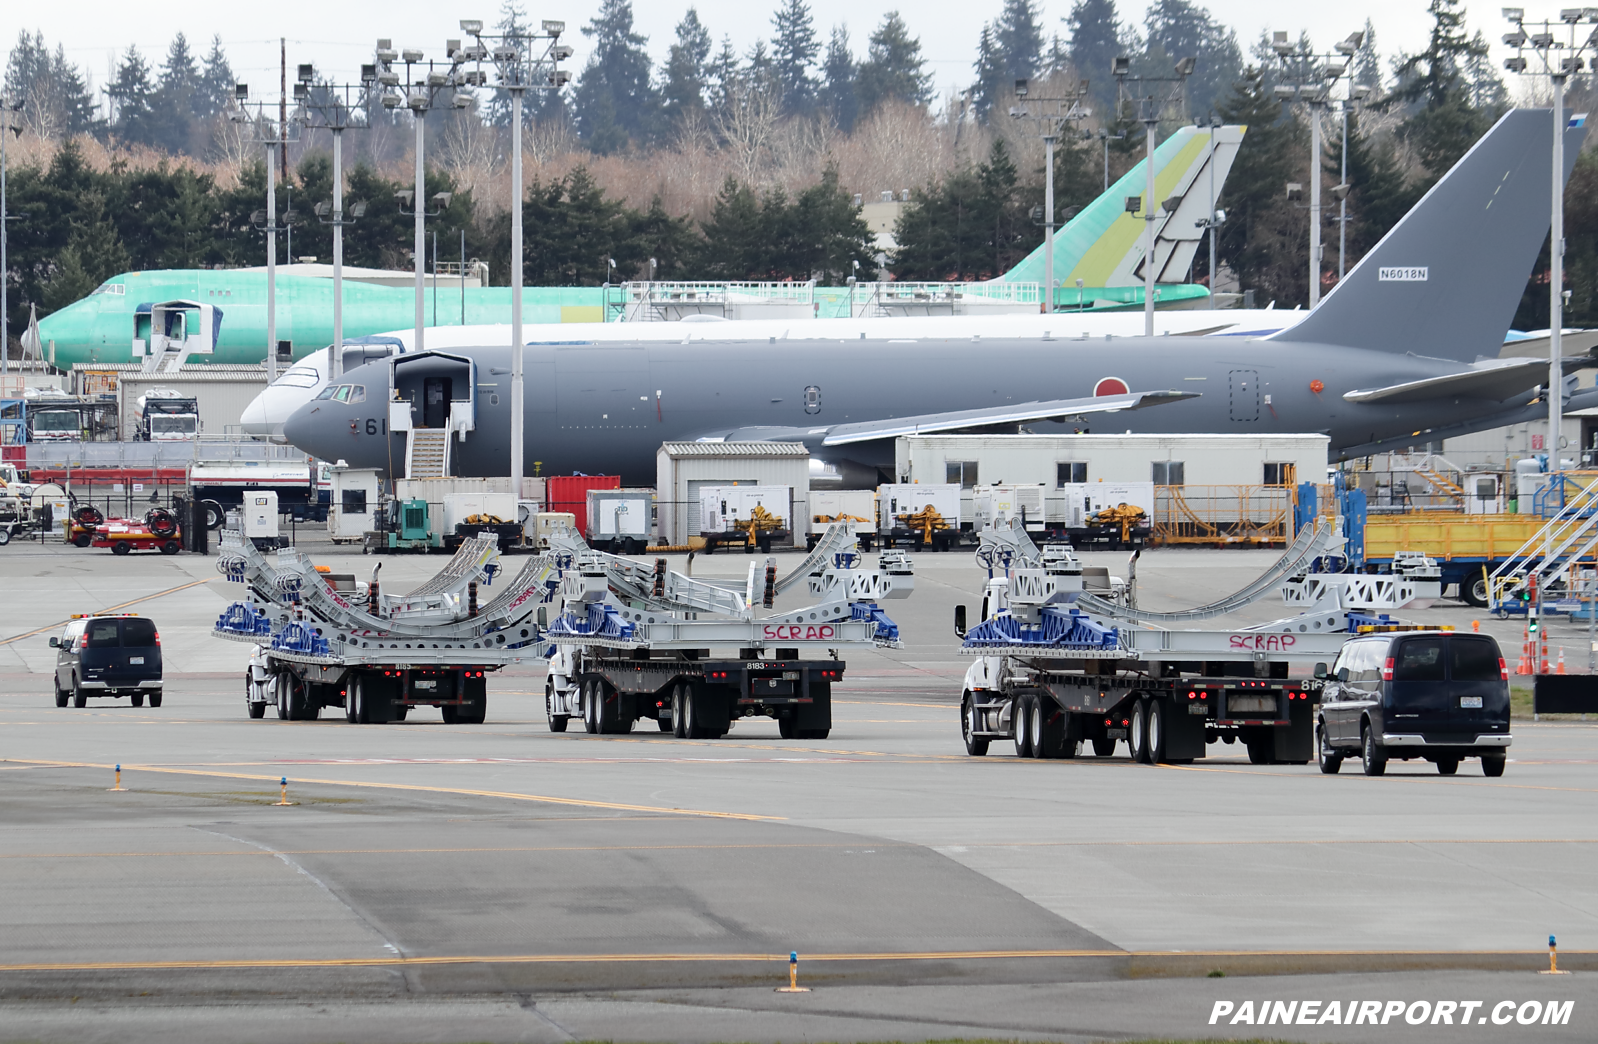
{"x":499,"y":882}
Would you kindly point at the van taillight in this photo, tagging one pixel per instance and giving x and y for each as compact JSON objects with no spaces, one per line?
{"x":1387,"y":670}
{"x":158,"y":642}
{"x":1503,"y":669}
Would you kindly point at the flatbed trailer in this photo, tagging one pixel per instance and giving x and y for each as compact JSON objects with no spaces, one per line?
{"x":1057,"y":668}
{"x":700,"y":699}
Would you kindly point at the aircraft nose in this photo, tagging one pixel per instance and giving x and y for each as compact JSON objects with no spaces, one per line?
{"x":302,"y":429}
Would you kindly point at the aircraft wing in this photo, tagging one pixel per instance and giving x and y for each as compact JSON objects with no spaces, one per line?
{"x":1501,"y":380}
{"x":1012,"y":413}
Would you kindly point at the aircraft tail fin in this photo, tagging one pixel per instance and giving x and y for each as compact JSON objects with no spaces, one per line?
{"x":1103,"y":244}
{"x":1446,"y":280}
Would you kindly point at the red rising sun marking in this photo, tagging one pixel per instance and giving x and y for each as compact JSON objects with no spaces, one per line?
{"x":1110,"y":386}
{"x":1317,"y":386}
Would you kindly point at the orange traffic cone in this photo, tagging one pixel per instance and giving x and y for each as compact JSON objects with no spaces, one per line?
{"x":1542,"y":654}
{"x":1524,"y":666}
{"x":1561,"y":669}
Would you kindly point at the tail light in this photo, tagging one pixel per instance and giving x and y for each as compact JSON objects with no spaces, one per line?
{"x":1387,"y":670}
{"x":1503,"y":669}
{"x":1193,"y":695}
{"x":158,"y":642}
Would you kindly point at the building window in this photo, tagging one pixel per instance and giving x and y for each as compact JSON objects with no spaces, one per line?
{"x":1067,"y":471}
{"x":962,"y":471}
{"x":1169,"y":473}
{"x":1280,"y":474}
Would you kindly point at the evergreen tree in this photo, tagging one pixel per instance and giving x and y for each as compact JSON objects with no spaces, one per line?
{"x":989,"y":89}
{"x":671,"y":241}
{"x":1265,"y":239}
{"x":734,"y":235}
{"x":216,"y":83}
{"x":615,"y":103}
{"x":973,"y":225}
{"x":512,"y":22}
{"x":1095,"y":43}
{"x":838,"y":81}
{"x":1178,"y":29}
{"x":1012,"y":49}
{"x":573,"y":231}
{"x":723,"y":73}
{"x":131,"y":91}
{"x":1379,"y":196}
{"x":686,"y":68}
{"x":831,"y":233}
{"x":894,"y":68}
{"x":55,"y":101}
{"x":1446,"y":124}
{"x":1367,"y":63}
{"x":174,"y":104}
{"x":794,"y":49}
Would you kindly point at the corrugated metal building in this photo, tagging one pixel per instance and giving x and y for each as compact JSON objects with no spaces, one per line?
{"x":223,"y":391}
{"x":682,"y":469}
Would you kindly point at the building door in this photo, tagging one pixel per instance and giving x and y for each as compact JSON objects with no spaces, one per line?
{"x":1245,"y":395}
{"x":435,"y":402}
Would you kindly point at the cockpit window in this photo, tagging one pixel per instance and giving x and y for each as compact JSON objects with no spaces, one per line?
{"x":109,"y":288}
{"x":298,"y":377}
{"x":343,"y":393}
{"x":327,"y":393}
{"x":357,"y":393}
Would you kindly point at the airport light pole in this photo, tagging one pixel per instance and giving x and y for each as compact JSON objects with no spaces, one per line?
{"x":1050,"y":123}
{"x":1149,"y":109}
{"x":1106,"y":137}
{"x":422,"y":90}
{"x":275,"y":138}
{"x":9,"y":107}
{"x":1314,"y":76}
{"x":1558,"y":60}
{"x":1215,"y":217}
{"x":328,"y":107}
{"x":522,"y":62}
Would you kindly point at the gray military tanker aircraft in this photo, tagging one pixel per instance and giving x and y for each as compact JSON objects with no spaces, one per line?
{"x":1403,"y":350}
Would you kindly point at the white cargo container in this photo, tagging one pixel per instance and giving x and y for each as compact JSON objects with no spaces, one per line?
{"x":1080,"y":501}
{"x":997,"y":505}
{"x":721,"y":508}
{"x":856,"y":506}
{"x":458,"y":507}
{"x":620,"y":520}
{"x":902,"y":498}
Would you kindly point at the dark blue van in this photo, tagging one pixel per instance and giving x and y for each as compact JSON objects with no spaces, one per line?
{"x":108,"y":656}
{"x":1436,"y":695}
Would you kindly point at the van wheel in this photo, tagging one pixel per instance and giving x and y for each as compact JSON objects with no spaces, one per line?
{"x":60,"y":693}
{"x":975,"y":745}
{"x":1373,"y":758}
{"x":1330,"y":760}
{"x":137,"y":699}
{"x":1447,"y":766}
{"x":80,"y":699}
{"x":1493,"y":764}
{"x":155,"y":699}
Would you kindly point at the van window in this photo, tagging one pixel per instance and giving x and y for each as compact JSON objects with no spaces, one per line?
{"x":102,"y":635}
{"x":1473,"y":659}
{"x":1420,"y":659}
{"x":138,"y":633}
{"x":1367,"y":669}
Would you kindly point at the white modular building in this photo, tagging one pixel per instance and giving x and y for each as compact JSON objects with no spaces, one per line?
{"x":684,"y":469}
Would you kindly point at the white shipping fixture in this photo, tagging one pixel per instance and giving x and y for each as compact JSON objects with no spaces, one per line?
{"x":856,"y":503}
{"x":260,"y":515}
{"x":904,"y":498}
{"x":1207,"y":460}
{"x":546,"y":523}
{"x":1080,"y":501}
{"x":722,"y":507}
{"x":458,"y":507}
{"x":620,"y":513}
{"x":351,"y":503}
{"x":683,"y":470}
{"x":997,"y":505}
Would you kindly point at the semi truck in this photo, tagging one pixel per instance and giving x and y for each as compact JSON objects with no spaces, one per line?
{"x":166,"y":415}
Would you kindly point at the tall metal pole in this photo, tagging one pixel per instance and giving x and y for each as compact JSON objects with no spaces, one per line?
{"x":336,"y":367}
{"x":5,"y":270}
{"x":1214,"y":129}
{"x":1342,"y":206}
{"x":1556,"y":275}
{"x":1148,"y":219}
{"x":1314,"y":203}
{"x":518,"y":467}
{"x":1048,"y":222}
{"x":271,"y":261}
{"x":421,"y":235}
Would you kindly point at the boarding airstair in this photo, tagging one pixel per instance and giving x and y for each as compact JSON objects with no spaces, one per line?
{"x":1568,"y":539}
{"x":427,"y":453}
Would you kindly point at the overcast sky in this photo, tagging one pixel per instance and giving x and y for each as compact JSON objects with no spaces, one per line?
{"x":339,"y":36}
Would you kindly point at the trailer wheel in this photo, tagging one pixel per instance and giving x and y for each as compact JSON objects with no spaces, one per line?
{"x":585,"y":697}
{"x":214,"y":515}
{"x":280,"y":692}
{"x":1260,"y":749}
{"x":679,"y":708}
{"x":607,"y":704}
{"x":1157,"y":710}
{"x":786,"y":726}
{"x":975,"y":745}
{"x":1020,"y":714}
{"x":1137,"y":736}
{"x":119,"y":548}
{"x":1037,"y":741}
{"x":1475,"y":592}
{"x":1104,"y":747}
{"x":83,"y":540}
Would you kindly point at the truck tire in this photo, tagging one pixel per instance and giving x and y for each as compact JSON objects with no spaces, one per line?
{"x":1137,"y":736}
{"x":1260,"y":749}
{"x":280,"y":692}
{"x":557,"y":722}
{"x":1037,"y":738}
{"x":214,"y":515}
{"x":1104,"y":747}
{"x":1474,"y":591}
{"x":450,"y":713}
{"x":1158,"y":728}
{"x":679,"y":710}
{"x":607,"y":707}
{"x":1020,"y":714}
{"x":585,"y":691}
{"x":975,"y":745}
